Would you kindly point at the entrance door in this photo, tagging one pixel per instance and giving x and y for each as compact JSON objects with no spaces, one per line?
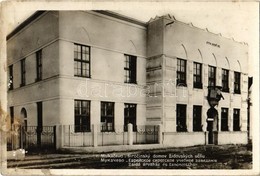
{"x":39,"y":123}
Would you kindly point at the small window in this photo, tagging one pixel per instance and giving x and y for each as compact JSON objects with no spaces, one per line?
{"x":224,"y":119}
{"x":23,"y":72}
{"x":130,"y":115}
{"x":212,"y":76}
{"x":107,"y":116}
{"x":39,"y":65}
{"x":236,"y":120}
{"x":82,"y":115}
{"x":181,"y":72}
{"x":181,"y":118}
{"x":130,"y":69}
{"x":225,"y":75}
{"x":81,"y":61}
{"x":237,"y":76}
{"x":197,"y":75}
{"x":197,"y":118}
{"x":11,"y":78}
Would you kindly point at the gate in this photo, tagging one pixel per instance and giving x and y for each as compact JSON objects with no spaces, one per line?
{"x":38,"y":138}
{"x":32,"y":138}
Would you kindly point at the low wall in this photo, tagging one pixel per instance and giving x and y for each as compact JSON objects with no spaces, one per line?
{"x":231,"y":137}
{"x":182,"y":139}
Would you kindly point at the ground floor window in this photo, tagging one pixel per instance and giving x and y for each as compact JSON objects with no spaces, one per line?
{"x":181,"y":118}
{"x":107,"y":116}
{"x":130,"y":115}
{"x":236,"y":120}
{"x":197,"y":118}
{"x":82,"y":115}
{"x":224,"y":119}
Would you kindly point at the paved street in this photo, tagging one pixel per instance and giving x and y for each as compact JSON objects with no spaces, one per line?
{"x":197,"y":157}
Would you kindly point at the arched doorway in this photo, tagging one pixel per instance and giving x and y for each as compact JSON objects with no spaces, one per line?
{"x":23,"y":118}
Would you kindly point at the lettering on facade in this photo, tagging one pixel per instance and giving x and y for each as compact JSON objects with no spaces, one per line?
{"x":213,"y":44}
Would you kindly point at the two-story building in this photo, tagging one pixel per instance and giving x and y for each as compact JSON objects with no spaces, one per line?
{"x":85,"y":68}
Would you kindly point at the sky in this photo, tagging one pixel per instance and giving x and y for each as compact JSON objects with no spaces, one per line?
{"x":238,"y":20}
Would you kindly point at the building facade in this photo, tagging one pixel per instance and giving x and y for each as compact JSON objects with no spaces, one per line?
{"x":85,"y":68}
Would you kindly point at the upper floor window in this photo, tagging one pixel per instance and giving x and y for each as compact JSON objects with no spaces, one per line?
{"x":237,"y":82}
{"x":236,"y":120}
{"x":130,"y":115}
{"x":81,"y":60}
{"x":23,"y":72}
{"x":82,"y":115}
{"x":107,"y":116}
{"x":181,"y":72}
{"x":11,"y":79}
{"x":225,"y":75}
{"x":39,"y":65}
{"x":224,"y":119}
{"x":212,"y":76}
{"x":130,"y":69}
{"x":197,"y":75}
{"x":181,"y":118}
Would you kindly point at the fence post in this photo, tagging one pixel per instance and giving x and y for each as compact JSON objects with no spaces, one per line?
{"x":95,"y":135}
{"x":130,"y":134}
{"x":160,"y":135}
{"x":58,"y":136}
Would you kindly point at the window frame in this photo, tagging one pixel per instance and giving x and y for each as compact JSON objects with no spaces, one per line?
{"x":107,"y":117}
{"x":236,"y":120}
{"x":225,"y":80}
{"x":181,"y":74}
{"x":130,"y":69}
{"x":23,"y":72}
{"x":181,"y":116}
{"x":237,"y":81}
{"x":212,"y":79}
{"x":11,"y":78}
{"x":82,"y":117}
{"x":197,"y":118}
{"x":128,"y":116}
{"x":224,"y":119}
{"x":82,"y":61}
{"x":38,"y":65}
{"x":196,"y":75}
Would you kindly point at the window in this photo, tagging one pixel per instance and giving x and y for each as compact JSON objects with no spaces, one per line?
{"x":225,"y":74}
{"x":23,"y":72}
{"x":197,"y":75}
{"x":107,"y":116}
{"x":212,"y":76}
{"x":236,"y":120}
{"x":11,"y":79}
{"x":224,"y":119}
{"x":82,"y":115}
{"x":130,"y":69}
{"x":81,"y":61}
{"x":181,"y":72}
{"x":39,"y":65}
{"x":181,"y":118}
{"x":130,"y":115}
{"x":197,"y":118}
{"x":237,"y":82}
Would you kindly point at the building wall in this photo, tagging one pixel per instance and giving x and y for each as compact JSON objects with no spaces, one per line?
{"x":107,"y":64}
{"x":180,"y":40}
{"x":41,"y":34}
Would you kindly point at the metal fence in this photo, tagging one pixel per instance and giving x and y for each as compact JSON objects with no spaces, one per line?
{"x":32,"y":137}
{"x":115,"y":136}
{"x":77,"y":136}
{"x":146,"y":134}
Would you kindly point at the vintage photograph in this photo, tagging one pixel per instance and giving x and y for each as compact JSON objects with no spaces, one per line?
{"x":148,"y":89}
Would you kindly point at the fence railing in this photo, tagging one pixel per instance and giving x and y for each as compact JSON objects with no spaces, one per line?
{"x":100,"y":135}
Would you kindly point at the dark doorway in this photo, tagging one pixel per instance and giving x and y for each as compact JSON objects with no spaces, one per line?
{"x":39,"y":123}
